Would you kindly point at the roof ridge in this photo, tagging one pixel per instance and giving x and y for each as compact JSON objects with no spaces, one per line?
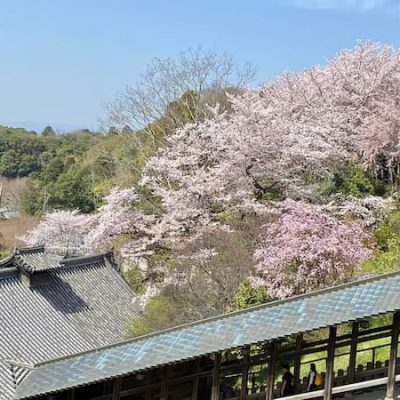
{"x":8,"y":272}
{"x":81,"y":260}
{"x":227,"y":315}
{"x":30,"y":249}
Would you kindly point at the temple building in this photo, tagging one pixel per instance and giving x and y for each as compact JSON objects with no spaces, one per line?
{"x":53,"y":307}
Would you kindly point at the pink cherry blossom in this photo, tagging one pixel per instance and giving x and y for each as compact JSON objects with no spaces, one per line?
{"x":307,"y":249}
{"x":61,"y":232}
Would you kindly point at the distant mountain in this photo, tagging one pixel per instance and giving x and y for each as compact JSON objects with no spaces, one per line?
{"x":39,"y":126}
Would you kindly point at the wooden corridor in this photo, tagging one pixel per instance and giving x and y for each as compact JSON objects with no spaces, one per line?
{"x":351,"y":333}
{"x":253,"y":372}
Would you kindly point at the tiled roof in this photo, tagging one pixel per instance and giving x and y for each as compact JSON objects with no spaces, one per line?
{"x":84,"y":305}
{"x":32,"y":259}
{"x":36,"y":259}
{"x":268,"y":322}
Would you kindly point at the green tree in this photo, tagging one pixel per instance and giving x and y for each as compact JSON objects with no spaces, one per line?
{"x":48,"y":131}
{"x":248,"y":296}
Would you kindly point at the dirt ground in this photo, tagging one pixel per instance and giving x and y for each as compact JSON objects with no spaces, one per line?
{"x":12,"y":229}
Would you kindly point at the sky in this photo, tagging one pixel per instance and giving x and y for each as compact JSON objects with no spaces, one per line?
{"x":62,"y":60}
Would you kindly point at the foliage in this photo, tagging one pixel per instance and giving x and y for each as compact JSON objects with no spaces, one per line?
{"x":248,"y":296}
{"x":20,"y":152}
{"x":48,"y":131}
{"x":162,"y":311}
{"x":136,"y":279}
{"x":353,"y":181}
{"x":387,"y":237}
{"x":61,"y":180}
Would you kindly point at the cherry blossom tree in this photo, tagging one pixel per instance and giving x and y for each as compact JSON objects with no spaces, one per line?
{"x":70,"y":232}
{"x":61,"y":232}
{"x":306,"y":249}
{"x":119,"y":220}
{"x":280,"y":141}
{"x":267,"y":153}
{"x":368,"y":212}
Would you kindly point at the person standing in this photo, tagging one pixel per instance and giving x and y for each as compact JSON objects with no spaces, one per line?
{"x":311,"y":384}
{"x":287,"y":388}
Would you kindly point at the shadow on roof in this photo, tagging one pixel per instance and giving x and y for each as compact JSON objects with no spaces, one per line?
{"x":62,"y":297}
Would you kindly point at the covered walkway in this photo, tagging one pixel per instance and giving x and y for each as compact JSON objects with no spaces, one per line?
{"x":350,"y":332}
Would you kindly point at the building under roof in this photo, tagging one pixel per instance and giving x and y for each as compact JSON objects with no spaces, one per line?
{"x":259,"y":326}
{"x":52,"y":307}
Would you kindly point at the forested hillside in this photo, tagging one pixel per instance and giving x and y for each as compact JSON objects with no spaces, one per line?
{"x":223,"y":197}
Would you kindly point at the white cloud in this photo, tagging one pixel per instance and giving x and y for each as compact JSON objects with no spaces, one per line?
{"x":353,"y":5}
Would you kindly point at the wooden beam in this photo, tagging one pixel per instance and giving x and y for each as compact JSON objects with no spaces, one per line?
{"x":164,"y":383}
{"x":116,"y":389}
{"x":215,"y":377}
{"x":269,"y":391}
{"x":297,"y":362}
{"x":330,"y":360}
{"x":245,"y":373}
{"x":353,"y":352}
{"x":393,"y":356}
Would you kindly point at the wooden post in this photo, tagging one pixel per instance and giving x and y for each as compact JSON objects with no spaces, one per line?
{"x":116,"y":389}
{"x":297,"y":362}
{"x":164,"y":383}
{"x":269,"y":391}
{"x":245,"y":373}
{"x":393,"y":356}
{"x":71,"y":394}
{"x":215,"y":377}
{"x":330,"y":360}
{"x":353,"y":353}
{"x":195,"y":388}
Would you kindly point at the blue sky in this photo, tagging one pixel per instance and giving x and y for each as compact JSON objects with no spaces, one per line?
{"x":62,"y":59}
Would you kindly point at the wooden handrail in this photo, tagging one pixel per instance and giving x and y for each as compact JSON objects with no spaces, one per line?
{"x":339,"y":389}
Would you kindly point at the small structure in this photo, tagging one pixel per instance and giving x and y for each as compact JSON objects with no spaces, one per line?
{"x":52,"y":307}
{"x":351,"y":332}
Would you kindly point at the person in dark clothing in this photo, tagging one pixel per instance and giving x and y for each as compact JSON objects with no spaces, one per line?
{"x":311,"y":378}
{"x":287,"y":388}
